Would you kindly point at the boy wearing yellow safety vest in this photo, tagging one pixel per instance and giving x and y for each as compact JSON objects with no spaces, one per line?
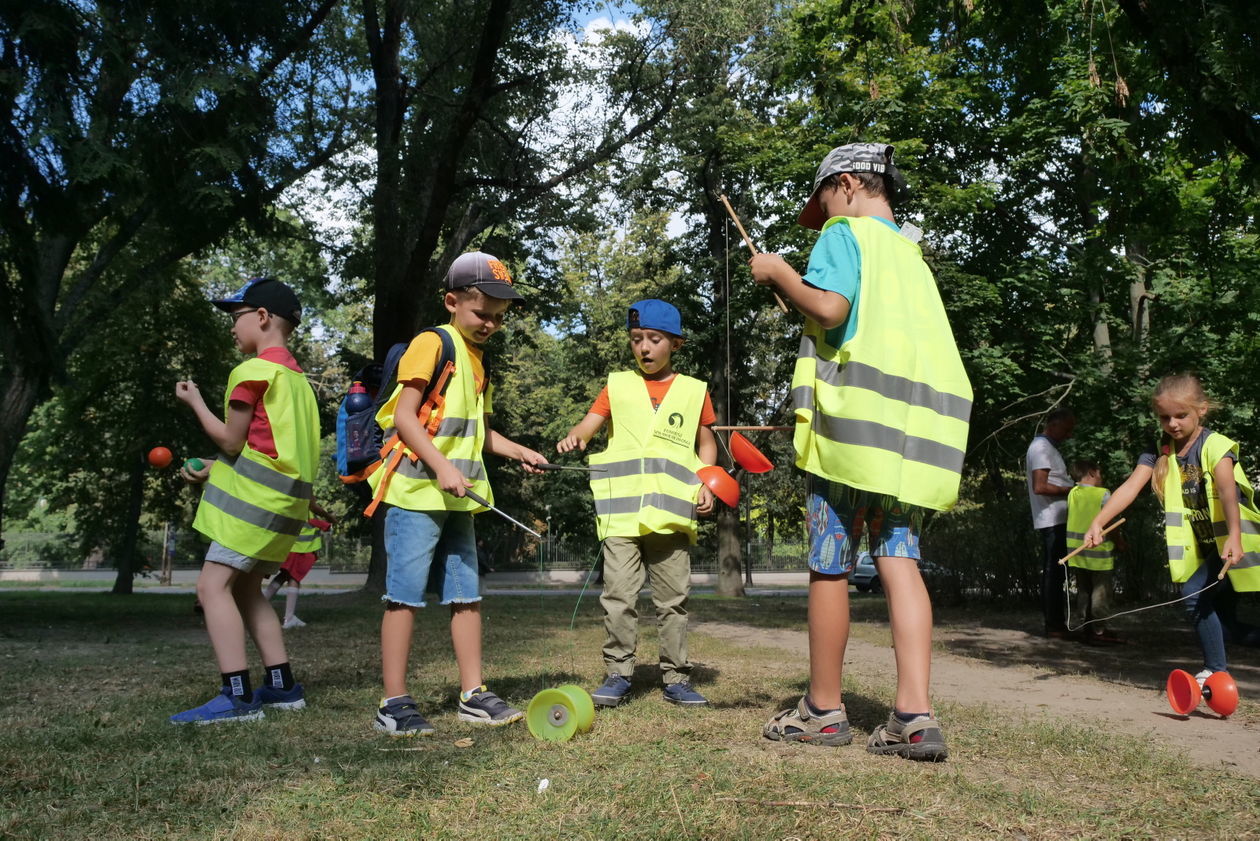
{"x":882,"y":406}
{"x":256,"y":500}
{"x":647,"y":497}
{"x":430,"y":519}
{"x":1092,"y":567}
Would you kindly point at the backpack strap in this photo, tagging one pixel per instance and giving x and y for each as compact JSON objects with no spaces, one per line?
{"x":393,"y":450}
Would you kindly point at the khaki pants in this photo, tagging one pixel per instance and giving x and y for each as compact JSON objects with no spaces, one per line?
{"x":665,"y":560}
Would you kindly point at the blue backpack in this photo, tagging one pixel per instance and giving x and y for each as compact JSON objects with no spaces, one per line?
{"x":360,"y":439}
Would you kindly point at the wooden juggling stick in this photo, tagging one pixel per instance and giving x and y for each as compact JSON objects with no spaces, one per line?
{"x":748,"y":241}
{"x":1079,"y":549}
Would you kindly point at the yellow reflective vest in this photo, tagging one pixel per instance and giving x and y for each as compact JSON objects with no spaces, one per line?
{"x":1083,"y":504}
{"x":888,"y":410}
{"x":1183,"y":551}
{"x":460,"y":436}
{"x":309,"y":539}
{"x":650,"y":484}
{"x":255,"y":504}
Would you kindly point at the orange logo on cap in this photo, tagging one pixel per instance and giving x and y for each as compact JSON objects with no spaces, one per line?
{"x":499,"y":271}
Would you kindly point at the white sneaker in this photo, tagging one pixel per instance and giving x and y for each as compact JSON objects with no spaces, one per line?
{"x":1202,"y":676}
{"x":294,"y":622}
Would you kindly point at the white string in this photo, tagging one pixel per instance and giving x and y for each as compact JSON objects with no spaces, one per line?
{"x":1068,"y":598}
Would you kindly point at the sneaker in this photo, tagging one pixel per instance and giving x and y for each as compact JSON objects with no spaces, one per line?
{"x":613,"y":691}
{"x":293,"y":622}
{"x":281,"y":699}
{"x":484,"y":707}
{"x":222,"y":707}
{"x":919,"y":739}
{"x":683,"y":695}
{"x":1202,"y":677}
{"x":399,"y":717}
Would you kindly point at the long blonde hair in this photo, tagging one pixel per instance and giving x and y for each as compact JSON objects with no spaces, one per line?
{"x":1186,"y":390}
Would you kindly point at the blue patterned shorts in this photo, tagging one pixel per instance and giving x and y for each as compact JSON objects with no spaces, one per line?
{"x":839,"y":516}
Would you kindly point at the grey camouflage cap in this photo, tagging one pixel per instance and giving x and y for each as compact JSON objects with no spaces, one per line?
{"x":851,"y":157}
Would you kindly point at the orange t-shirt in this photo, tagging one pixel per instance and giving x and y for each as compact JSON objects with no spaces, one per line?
{"x":657,"y":389}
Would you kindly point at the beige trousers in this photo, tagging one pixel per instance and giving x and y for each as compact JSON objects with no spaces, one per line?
{"x":665,"y":561}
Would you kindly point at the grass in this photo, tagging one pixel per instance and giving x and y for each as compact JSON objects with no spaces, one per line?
{"x":85,"y":750}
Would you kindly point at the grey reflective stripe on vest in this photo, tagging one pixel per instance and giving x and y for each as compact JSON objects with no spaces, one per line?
{"x":1174,"y":519}
{"x":878,"y":436}
{"x":268,"y":478}
{"x":1246,"y":527}
{"x":1249,"y":560}
{"x":249,"y":513}
{"x":638,"y":467}
{"x":633,"y":504}
{"x":1076,"y":535}
{"x":1100,"y":554}
{"x":457,"y":428}
{"x":860,"y":375}
{"x":1176,"y":553}
{"x":305,"y":540}
{"x":419,"y":470}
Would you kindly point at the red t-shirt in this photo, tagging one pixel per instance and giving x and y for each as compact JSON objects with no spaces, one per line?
{"x":657,"y":389}
{"x":250,"y":392}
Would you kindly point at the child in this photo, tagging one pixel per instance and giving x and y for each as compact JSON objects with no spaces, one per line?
{"x":256,"y":499}
{"x":297,"y":565}
{"x":430,"y":517}
{"x":647,"y":501}
{"x":882,"y":404}
{"x":1196,"y":475}
{"x":1092,"y":566}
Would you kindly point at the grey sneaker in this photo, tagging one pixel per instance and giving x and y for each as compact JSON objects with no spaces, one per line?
{"x":613,"y":691}
{"x":683,"y":695}
{"x":399,"y":717}
{"x":484,"y":707}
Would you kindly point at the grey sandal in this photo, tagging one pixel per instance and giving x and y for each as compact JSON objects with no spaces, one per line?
{"x":920,"y":739}
{"x":800,"y":725}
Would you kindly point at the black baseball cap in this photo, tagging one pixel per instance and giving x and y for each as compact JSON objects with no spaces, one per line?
{"x":484,"y":272}
{"x":267,"y":293}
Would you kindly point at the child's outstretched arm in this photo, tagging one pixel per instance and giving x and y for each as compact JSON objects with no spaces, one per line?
{"x":581,"y":433}
{"x":1227,"y":490}
{"x":1120,"y":499}
{"x":505,"y":447}
{"x":830,"y":309}
{"x":228,"y":436}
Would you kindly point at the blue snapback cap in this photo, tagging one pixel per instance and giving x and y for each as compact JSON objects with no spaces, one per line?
{"x":654,"y":314}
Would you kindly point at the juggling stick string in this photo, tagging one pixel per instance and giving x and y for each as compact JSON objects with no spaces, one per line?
{"x":547,"y":466}
{"x":501,"y":513}
{"x":748,"y":241}
{"x":1079,"y":549}
{"x":752,"y":428}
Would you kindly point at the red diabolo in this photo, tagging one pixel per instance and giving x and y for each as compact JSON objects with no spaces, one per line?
{"x":1219,"y":691}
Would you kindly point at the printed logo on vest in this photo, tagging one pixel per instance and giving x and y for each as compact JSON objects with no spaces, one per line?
{"x":673,"y":432}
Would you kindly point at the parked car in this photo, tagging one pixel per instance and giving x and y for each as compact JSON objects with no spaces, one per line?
{"x":865,"y":575}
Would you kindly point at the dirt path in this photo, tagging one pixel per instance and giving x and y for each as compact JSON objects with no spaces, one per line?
{"x":1140,"y":710}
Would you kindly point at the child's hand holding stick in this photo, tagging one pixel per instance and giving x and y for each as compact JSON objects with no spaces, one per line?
{"x":1086,"y":543}
{"x":748,"y":241}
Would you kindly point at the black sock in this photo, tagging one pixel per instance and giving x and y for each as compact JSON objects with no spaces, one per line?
{"x":809,"y":704}
{"x":238,"y":684}
{"x":278,"y":677}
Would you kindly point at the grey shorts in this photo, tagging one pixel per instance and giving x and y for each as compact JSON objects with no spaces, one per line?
{"x":220,"y":554}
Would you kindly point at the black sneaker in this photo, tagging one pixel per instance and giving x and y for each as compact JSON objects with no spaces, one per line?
{"x":484,"y":707}
{"x":399,"y":717}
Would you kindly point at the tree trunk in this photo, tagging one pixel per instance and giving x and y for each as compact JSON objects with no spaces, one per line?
{"x":20,"y":393}
{"x":125,"y":557}
{"x":729,"y":556}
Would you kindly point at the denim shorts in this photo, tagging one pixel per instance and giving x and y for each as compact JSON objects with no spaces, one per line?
{"x":220,"y":554}
{"x":416,"y":540}
{"x":838,"y":517}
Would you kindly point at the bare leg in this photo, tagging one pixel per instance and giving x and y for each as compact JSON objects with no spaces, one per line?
{"x":259,"y":618}
{"x":828,"y":637}
{"x":223,"y":618}
{"x":290,"y":600}
{"x":397,"y":626}
{"x":273,"y":587}
{"x":910,"y":614}
{"x":466,"y":638}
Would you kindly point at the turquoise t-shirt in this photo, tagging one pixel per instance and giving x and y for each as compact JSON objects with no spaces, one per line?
{"x":835,"y":265}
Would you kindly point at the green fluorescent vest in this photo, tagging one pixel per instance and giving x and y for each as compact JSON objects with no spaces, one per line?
{"x":651,"y":483}
{"x":1183,"y":552}
{"x":460,"y":437}
{"x":1084,"y":503}
{"x":309,"y":539}
{"x":888,"y":410}
{"x":255,"y":504}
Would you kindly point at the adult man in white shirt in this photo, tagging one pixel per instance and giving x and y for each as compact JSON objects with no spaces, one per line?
{"x":1048,"y":487}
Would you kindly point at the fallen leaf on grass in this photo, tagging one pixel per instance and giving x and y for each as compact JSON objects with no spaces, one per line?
{"x":464,"y":742}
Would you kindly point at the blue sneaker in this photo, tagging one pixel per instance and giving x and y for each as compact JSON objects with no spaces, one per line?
{"x":222,"y":707}
{"x":684,"y":695}
{"x":399,"y":717}
{"x":281,"y":699}
{"x":613,"y":691}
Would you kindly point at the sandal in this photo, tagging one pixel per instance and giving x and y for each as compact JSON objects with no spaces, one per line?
{"x":803,"y":725}
{"x":920,"y":739}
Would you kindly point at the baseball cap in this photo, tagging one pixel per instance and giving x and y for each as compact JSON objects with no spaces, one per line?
{"x":487,"y":273}
{"x":851,"y":157}
{"x":268,"y":293}
{"x":654,"y":314}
